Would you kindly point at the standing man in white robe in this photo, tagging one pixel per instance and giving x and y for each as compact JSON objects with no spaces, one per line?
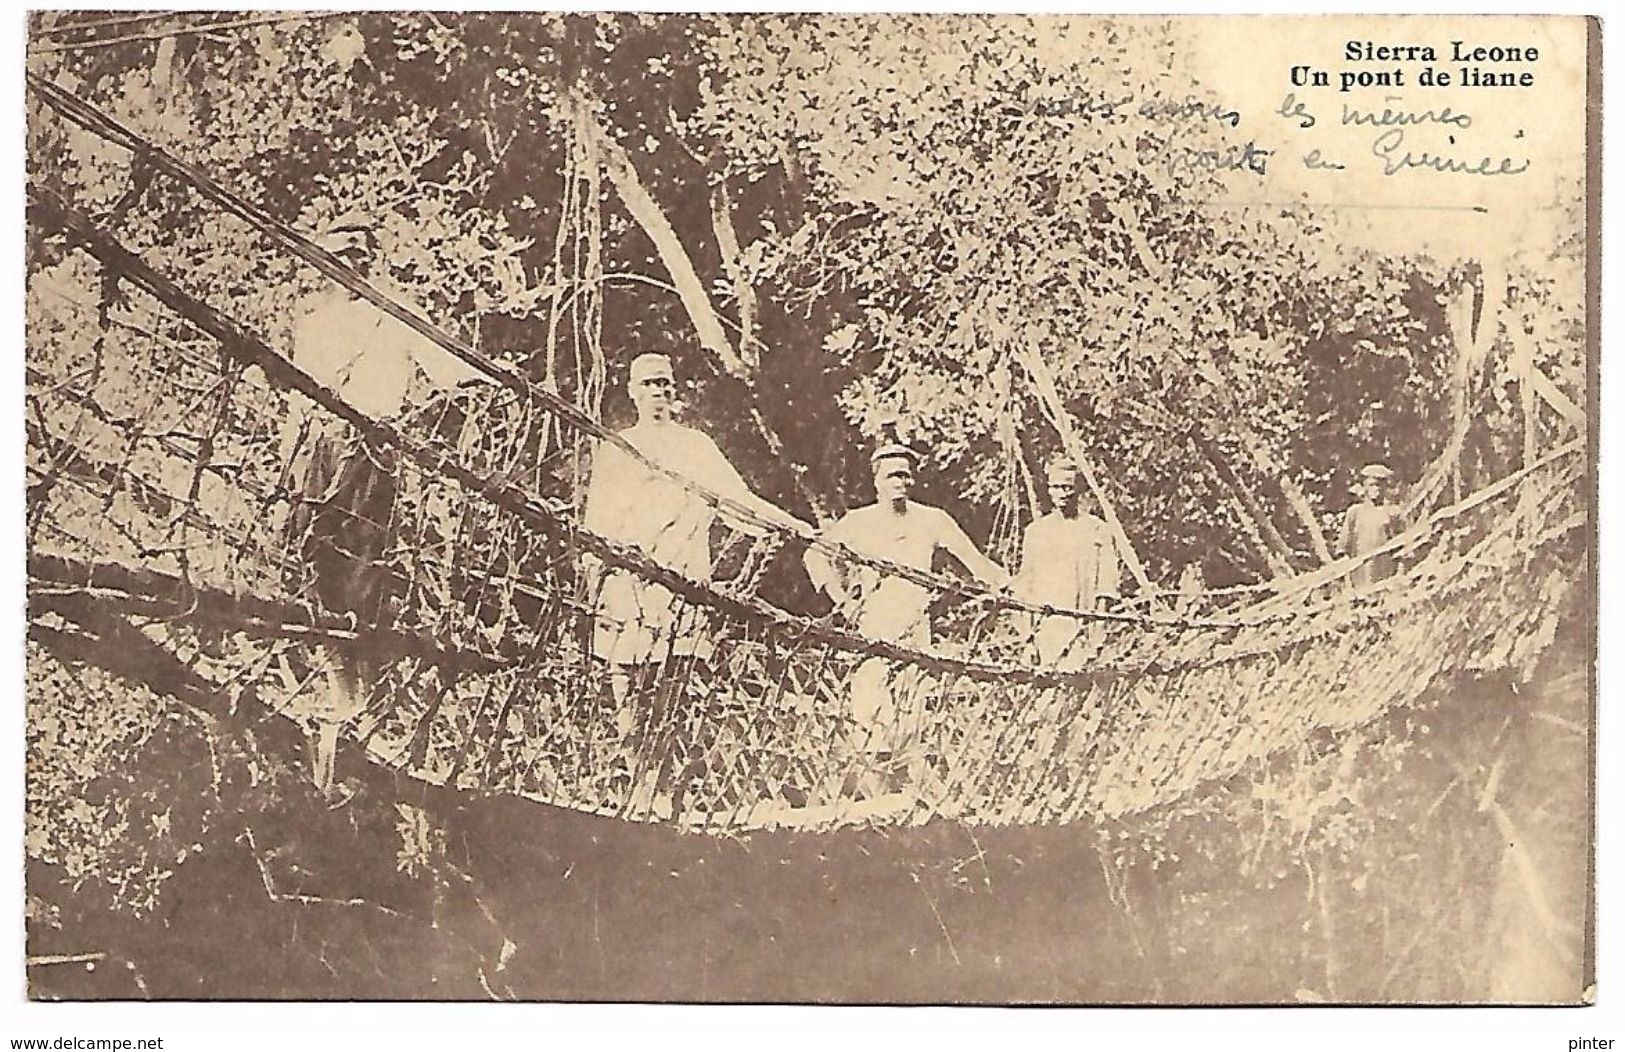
{"x":1069,"y":560}
{"x":638,"y":622}
{"x":342,"y":518}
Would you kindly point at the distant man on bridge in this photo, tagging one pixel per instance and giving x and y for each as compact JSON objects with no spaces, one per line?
{"x":1371,"y":522}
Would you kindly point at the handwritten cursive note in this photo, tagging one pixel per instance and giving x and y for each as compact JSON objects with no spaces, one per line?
{"x":1389,"y":147}
{"x":1384,"y":137}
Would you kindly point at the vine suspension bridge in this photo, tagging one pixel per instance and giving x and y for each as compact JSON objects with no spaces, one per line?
{"x":160,"y":499}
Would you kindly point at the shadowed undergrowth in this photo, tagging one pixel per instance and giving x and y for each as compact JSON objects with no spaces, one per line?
{"x":1372,"y":866}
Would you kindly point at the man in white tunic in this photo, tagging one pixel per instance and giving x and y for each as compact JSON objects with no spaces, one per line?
{"x":1369,"y":524}
{"x":638,"y":622}
{"x":342,"y":517}
{"x":1069,"y":560}
{"x":887,"y":607}
{"x":356,"y":350}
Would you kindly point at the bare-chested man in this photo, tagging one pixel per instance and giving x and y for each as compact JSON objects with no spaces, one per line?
{"x":887,"y":607}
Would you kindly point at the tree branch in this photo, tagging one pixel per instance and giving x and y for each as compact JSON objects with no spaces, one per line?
{"x":618,"y":168}
{"x":1221,"y":381}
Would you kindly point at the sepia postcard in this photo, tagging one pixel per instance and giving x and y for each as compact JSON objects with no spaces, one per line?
{"x":947,"y":509}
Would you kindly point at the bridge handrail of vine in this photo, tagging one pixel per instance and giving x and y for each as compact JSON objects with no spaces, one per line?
{"x":149,"y":156}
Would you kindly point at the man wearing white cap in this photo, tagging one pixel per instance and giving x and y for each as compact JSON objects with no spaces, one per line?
{"x":1069,"y":560}
{"x":627,"y":501}
{"x":1370,"y":523}
{"x":898,"y":530}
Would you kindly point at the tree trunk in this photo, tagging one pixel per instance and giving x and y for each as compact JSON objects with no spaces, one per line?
{"x":728,"y":242}
{"x":1277,"y":553}
{"x":1266,"y":464}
